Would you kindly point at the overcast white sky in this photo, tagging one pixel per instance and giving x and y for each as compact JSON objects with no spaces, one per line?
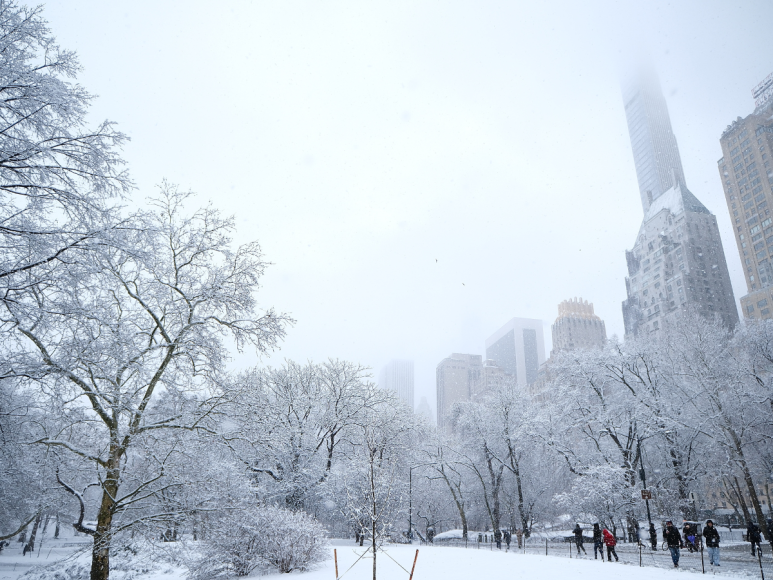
{"x":418,"y":172}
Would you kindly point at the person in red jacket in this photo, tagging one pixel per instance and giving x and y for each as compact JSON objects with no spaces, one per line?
{"x":611,"y":542}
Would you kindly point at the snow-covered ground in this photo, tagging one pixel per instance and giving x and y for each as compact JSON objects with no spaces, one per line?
{"x":434,"y":563}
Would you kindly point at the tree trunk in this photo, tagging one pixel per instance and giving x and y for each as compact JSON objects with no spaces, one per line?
{"x":30,"y":547}
{"x":100,"y":552}
{"x":457,"y":500}
{"x":56,"y":529}
{"x":741,"y":500}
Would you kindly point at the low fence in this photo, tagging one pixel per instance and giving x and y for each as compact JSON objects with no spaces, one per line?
{"x":735,"y":557}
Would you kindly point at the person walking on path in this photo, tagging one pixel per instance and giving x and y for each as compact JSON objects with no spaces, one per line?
{"x":711,"y":536}
{"x":611,"y":542}
{"x":498,"y":538}
{"x":674,"y":541}
{"x":653,"y":537}
{"x":598,"y":543}
{"x":578,"y":539}
{"x":753,"y":536}
{"x":518,"y":536}
{"x":507,"y":538}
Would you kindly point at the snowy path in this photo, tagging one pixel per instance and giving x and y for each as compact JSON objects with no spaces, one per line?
{"x":447,"y":563}
{"x":434,"y":563}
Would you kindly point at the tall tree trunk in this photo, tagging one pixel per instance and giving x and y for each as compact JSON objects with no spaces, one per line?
{"x":30,"y":547}
{"x":736,"y":487}
{"x":747,"y":476}
{"x":458,"y":500}
{"x":100,"y":552}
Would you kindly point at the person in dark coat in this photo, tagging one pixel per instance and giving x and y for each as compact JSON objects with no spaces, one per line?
{"x":674,"y":541}
{"x":711,"y":537}
{"x":598,"y":542}
{"x":753,"y":536}
{"x":653,"y":537}
{"x":611,"y":542}
{"x":578,"y":539}
{"x":690,"y":535}
{"x":508,"y":537}
{"x":498,"y":538}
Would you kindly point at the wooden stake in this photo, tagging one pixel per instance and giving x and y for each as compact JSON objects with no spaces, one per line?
{"x":335,"y":557}
{"x":416,"y":557}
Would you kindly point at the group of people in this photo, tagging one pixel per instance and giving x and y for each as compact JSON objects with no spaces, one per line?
{"x":601,"y":538}
{"x":507,"y":536}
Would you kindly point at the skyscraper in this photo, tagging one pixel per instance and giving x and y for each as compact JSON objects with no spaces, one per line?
{"x":397,"y":376}
{"x":463,"y":377}
{"x":677,"y":260}
{"x":518,"y":348}
{"x":577,"y":327}
{"x":655,"y":152}
{"x":747,"y":178}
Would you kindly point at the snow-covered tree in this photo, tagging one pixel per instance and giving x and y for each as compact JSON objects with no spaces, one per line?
{"x":56,"y":173}
{"x":286,"y":424}
{"x":128,"y":343}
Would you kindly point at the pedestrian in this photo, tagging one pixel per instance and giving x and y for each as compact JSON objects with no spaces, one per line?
{"x":578,"y":539}
{"x":753,"y":536}
{"x":498,"y":538}
{"x":674,"y":541}
{"x":598,"y":543}
{"x":508,"y":537}
{"x":711,"y":535}
{"x":611,"y":542}
{"x":653,"y":537}
{"x":431,"y":535}
{"x":519,"y":535}
{"x":689,"y":537}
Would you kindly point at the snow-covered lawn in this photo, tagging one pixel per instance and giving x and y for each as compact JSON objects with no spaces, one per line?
{"x":434,"y":563}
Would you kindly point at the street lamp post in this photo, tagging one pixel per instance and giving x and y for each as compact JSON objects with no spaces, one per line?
{"x":643,"y":477}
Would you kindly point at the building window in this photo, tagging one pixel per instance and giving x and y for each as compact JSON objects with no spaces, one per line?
{"x":763,"y":302}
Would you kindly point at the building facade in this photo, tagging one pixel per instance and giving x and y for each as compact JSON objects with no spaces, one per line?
{"x":677,"y":261}
{"x":463,"y":377}
{"x":519,"y":349}
{"x":655,"y":152}
{"x":577,"y":327}
{"x":747,"y":179}
{"x":397,"y":376}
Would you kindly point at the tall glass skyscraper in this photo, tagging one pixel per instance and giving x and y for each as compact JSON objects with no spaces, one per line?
{"x":677,"y":261}
{"x":655,"y":152}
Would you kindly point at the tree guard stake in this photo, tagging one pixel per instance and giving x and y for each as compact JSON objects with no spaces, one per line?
{"x":335,"y":558}
{"x":416,"y":557}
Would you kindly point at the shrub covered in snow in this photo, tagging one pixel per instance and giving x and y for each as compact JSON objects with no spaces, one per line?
{"x":261,"y":538}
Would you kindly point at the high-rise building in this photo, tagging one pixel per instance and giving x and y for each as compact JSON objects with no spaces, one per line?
{"x":655,"y":152}
{"x":424,"y":410}
{"x":677,"y":261}
{"x":747,"y":178}
{"x":463,"y":377}
{"x":518,"y":348}
{"x":397,"y":376}
{"x":577,"y":327}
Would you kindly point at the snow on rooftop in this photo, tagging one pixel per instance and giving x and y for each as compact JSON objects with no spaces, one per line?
{"x":671,"y":200}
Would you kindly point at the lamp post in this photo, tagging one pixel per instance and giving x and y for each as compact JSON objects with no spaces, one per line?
{"x":643,"y":477}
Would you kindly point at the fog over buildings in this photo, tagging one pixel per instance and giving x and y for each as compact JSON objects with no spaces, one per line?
{"x":677,"y":261}
{"x":418,"y":176}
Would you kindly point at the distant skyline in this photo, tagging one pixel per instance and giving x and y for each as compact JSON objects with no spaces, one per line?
{"x":417,"y":173}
